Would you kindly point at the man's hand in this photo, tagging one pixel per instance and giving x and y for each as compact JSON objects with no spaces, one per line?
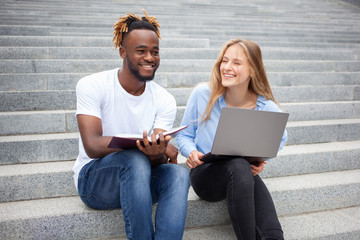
{"x":258,"y":167}
{"x":193,"y":159}
{"x":171,"y":153}
{"x":155,"y":149}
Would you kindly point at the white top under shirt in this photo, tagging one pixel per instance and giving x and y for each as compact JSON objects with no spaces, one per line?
{"x":101,"y":95}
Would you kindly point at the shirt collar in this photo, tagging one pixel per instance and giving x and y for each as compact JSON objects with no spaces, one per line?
{"x":260,"y":102}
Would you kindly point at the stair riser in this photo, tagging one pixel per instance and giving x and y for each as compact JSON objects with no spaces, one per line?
{"x":110,"y":223}
{"x":38,"y":151}
{"x":60,"y":100}
{"x":165,"y":53}
{"x":60,"y":183}
{"x":67,"y":81}
{"x":167,"y":65}
{"x":65,"y":121}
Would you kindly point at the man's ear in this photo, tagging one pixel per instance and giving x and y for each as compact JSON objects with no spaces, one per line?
{"x":122,"y":52}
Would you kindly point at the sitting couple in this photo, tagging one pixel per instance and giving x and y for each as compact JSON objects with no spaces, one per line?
{"x":125,"y":100}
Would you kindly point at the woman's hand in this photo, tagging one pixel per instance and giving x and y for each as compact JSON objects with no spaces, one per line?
{"x":258,"y":167}
{"x":194,"y":159}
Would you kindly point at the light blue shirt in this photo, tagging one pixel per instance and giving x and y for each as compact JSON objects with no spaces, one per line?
{"x":201,"y":136}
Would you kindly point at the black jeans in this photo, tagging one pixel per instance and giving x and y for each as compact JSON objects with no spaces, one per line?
{"x":251,"y":208}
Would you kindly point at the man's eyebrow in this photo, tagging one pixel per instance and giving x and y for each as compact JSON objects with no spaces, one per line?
{"x":143,"y":46}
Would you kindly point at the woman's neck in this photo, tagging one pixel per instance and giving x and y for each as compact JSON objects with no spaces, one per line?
{"x":240,"y":97}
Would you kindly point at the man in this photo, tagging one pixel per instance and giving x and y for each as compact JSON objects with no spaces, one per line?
{"x":124,"y":101}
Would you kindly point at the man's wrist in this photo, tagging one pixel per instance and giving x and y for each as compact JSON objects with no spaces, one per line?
{"x":155,"y":160}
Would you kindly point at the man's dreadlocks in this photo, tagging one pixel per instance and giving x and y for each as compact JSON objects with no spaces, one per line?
{"x":130,"y":22}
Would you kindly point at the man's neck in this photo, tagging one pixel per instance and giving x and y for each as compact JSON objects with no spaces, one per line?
{"x":130,"y":83}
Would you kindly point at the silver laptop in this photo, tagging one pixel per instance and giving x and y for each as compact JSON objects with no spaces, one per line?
{"x":255,"y":135}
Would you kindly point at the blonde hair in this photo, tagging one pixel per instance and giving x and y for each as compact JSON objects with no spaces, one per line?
{"x":125,"y":24}
{"x":258,"y":82}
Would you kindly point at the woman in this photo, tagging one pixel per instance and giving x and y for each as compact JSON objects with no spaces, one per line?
{"x":238,"y":79}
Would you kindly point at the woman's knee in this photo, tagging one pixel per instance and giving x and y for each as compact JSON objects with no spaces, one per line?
{"x":239,"y":169}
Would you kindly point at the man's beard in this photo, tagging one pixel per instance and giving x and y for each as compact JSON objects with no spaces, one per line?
{"x":135,"y":71}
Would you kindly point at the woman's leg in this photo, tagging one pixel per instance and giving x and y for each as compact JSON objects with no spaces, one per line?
{"x":267,"y":222}
{"x":231,"y":179}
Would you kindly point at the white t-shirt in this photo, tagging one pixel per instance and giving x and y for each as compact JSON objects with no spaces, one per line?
{"x":101,"y":95}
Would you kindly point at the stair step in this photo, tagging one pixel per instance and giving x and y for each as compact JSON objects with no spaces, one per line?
{"x":54,"y":179}
{"x":62,"y":41}
{"x":291,"y":195}
{"x":67,"y":81}
{"x":169,"y":65}
{"x":56,"y":121}
{"x":332,"y":225}
{"x":66,"y":99}
{"x":305,"y":132}
{"x":167,"y":53}
{"x":39,"y":148}
{"x":101,"y":41}
{"x":299,"y":132}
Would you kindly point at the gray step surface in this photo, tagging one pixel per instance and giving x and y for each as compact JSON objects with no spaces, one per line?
{"x":66,"y":99}
{"x":299,"y":132}
{"x":340,"y":27}
{"x":67,"y":81}
{"x":331,"y":225}
{"x":49,"y":147}
{"x":39,"y":148}
{"x":311,"y":51}
{"x":56,"y":121}
{"x":61,"y":41}
{"x":169,"y":65}
{"x":291,"y":195}
{"x":54,"y":179}
{"x":102,"y":41}
{"x":168,"y":53}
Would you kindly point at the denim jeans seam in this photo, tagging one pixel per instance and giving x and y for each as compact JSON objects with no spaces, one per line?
{"x":158,"y":207}
{"x":91,"y":195}
{"x":100,"y":169}
{"x":124,"y":209}
{"x":232,"y":192}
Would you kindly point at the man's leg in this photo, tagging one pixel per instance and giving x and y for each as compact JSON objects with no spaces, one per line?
{"x":170,"y":186}
{"x":121,"y":180}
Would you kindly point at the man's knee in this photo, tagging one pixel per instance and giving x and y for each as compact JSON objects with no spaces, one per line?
{"x":179,"y":175}
{"x":132,"y":158}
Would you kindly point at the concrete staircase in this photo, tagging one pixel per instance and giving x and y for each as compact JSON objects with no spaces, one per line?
{"x":311,"y":51}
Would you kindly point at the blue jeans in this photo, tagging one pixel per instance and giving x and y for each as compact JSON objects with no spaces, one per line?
{"x":127,"y":180}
